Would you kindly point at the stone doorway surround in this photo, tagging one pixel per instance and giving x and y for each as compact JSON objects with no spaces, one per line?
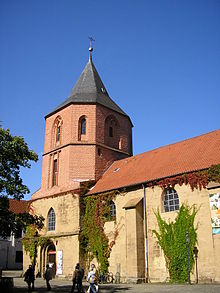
{"x":48,"y":256}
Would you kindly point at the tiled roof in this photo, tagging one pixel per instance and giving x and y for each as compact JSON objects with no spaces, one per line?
{"x":185,"y":156}
{"x":89,"y":88}
{"x":18,"y":206}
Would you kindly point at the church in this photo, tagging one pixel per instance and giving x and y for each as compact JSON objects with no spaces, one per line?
{"x":88,"y":142}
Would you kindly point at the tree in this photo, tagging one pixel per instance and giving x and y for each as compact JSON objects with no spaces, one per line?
{"x":172,"y":239}
{"x":14,"y":154}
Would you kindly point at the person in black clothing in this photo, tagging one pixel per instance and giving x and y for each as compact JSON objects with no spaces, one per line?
{"x":48,"y":276}
{"x":77,"y":279}
{"x":81,"y":271}
{"x":29,"y":277}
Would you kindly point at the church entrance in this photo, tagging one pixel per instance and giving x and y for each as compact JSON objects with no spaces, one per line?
{"x":48,"y":257}
{"x":51,"y":258}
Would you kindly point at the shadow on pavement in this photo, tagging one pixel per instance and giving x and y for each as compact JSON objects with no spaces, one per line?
{"x":67,"y":288}
{"x":112,"y":288}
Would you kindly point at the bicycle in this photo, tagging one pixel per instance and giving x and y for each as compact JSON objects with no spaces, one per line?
{"x":106,"y":278}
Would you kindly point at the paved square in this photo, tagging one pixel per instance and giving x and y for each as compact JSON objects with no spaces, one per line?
{"x":64,"y":286}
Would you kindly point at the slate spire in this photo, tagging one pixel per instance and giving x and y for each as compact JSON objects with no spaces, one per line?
{"x":89,"y":82}
{"x":89,"y":89}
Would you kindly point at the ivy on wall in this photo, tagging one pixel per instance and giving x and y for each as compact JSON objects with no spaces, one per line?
{"x":96,"y":211}
{"x":196,"y":180}
{"x":31,"y":241}
{"x":172,"y":239}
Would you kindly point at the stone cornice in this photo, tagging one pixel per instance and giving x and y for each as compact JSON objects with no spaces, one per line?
{"x":87,"y":144}
{"x":61,"y":234}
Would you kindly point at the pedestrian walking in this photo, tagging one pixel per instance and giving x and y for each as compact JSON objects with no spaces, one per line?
{"x":29,"y":278}
{"x":92,"y":279}
{"x":77,"y":279}
{"x":48,"y":276}
{"x":81,"y":271}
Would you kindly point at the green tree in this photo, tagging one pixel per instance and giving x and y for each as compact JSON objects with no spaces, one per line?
{"x":172,"y":239}
{"x":14,"y":154}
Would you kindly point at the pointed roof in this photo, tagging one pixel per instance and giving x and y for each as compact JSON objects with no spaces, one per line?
{"x":89,"y":89}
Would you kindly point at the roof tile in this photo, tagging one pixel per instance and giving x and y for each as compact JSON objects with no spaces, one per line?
{"x":18,"y":206}
{"x":185,"y":156}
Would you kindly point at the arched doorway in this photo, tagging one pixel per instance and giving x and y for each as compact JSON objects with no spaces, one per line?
{"x":48,"y":256}
{"x":51,"y":257}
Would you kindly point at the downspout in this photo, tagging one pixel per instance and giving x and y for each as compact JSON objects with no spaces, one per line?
{"x":145,"y":236}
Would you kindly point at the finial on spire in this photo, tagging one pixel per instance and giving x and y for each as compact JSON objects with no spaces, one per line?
{"x":91,"y":48}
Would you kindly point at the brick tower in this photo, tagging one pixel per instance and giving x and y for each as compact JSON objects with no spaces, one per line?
{"x":83,"y":136}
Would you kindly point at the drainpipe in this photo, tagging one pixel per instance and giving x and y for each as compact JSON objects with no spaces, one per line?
{"x":145,"y":235}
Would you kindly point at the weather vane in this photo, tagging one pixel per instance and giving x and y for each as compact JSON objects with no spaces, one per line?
{"x":91,"y":48}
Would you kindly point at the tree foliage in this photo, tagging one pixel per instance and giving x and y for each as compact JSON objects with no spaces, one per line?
{"x":14,"y":154}
{"x":172,"y":239}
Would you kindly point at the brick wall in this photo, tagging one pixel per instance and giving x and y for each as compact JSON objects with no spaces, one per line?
{"x":123,"y":132}
{"x":79,"y":156}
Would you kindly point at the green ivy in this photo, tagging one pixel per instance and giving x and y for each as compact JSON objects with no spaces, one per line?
{"x":96,"y":212}
{"x":28,"y":242}
{"x":172,"y":239}
{"x":32,"y":241}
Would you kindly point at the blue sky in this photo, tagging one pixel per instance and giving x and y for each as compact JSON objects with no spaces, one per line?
{"x":159,"y":60}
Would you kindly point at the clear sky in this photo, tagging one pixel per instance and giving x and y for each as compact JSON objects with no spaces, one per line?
{"x":159,"y":61}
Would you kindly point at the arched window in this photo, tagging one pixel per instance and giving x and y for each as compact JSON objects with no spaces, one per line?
{"x":170,"y":200}
{"x":112,"y":132}
{"x":83,"y":126}
{"x":112,"y":208}
{"x":55,"y":173}
{"x":57,"y":131}
{"x":58,"y":134}
{"x":51,"y":220}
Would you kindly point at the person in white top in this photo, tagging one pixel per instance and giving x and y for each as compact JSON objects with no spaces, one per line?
{"x":92,"y":279}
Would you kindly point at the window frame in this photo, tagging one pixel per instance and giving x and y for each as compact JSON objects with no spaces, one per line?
{"x":51,"y":222}
{"x":55,"y":172}
{"x":112,"y":210}
{"x":170,"y":200}
{"x":56,"y":138}
{"x":58,"y":134}
{"x":83,"y":126}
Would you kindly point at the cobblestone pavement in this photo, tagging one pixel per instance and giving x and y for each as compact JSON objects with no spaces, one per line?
{"x":64,"y":286}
